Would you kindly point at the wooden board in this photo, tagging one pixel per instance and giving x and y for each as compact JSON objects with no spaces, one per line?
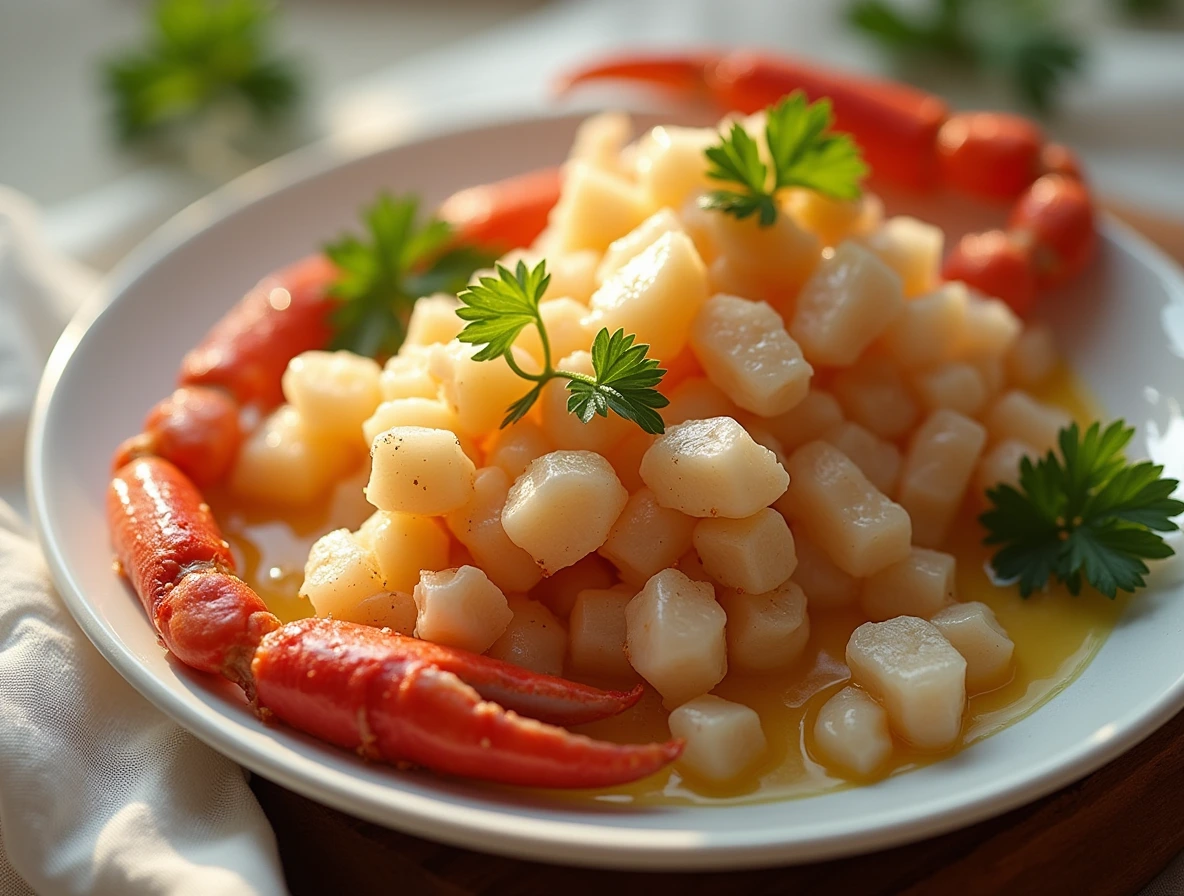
{"x":1110,"y":833}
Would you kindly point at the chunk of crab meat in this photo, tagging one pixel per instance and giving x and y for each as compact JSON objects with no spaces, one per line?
{"x":955,"y":385}
{"x":697,"y":398}
{"x":1000,"y":465}
{"x":712,"y":467}
{"x":723,"y":739}
{"x":830,"y":499}
{"x":879,"y":460}
{"x":744,"y":349}
{"x":754,"y":554}
{"x":430,"y":413}
{"x":514,"y":447}
{"x":636,"y":241}
{"x":284,"y":462}
{"x":596,"y":634}
{"x":402,"y":545}
{"x":928,"y":328}
{"x":560,"y":590}
{"x":766,"y":631}
{"x":940,"y":460}
{"x":976,"y":634}
{"x":479,"y":391}
{"x":339,"y":574}
{"x":414,"y":469}
{"x":333,"y":391}
{"x":825,"y":585}
{"x":874,"y":394}
{"x":777,"y":259}
{"x":433,"y":320}
{"x":849,"y":301}
{"x":600,"y":139}
{"x":403,"y":700}
{"x":989,"y":329}
{"x":851,"y":733}
{"x":646,"y":538}
{"x":1017,"y":416}
{"x":916,"y":674}
{"x":394,"y":610}
{"x":814,"y":415}
{"x":406,"y":376}
{"x":831,"y":220}
{"x":670,"y":163}
{"x":477,"y":524}
{"x":922,"y":584}
{"x":1033,"y":357}
{"x":626,"y":455}
{"x":535,"y":639}
{"x":460,"y":608}
{"x":595,"y":207}
{"x":563,"y":319}
{"x":562,"y":507}
{"x":675,"y":637}
{"x":912,"y":248}
{"x":654,"y":296}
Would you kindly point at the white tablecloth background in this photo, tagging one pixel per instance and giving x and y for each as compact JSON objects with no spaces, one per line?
{"x":99,"y":793}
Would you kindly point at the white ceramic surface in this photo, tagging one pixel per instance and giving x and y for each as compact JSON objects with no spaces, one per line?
{"x":1123,"y":326}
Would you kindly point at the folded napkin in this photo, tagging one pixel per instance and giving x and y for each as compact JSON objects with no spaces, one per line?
{"x":99,"y":792}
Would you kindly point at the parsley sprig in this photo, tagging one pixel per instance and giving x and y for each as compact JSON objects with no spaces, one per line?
{"x":624,"y":380}
{"x":384,"y":271}
{"x":803,"y":152}
{"x":1085,"y":516}
{"x":199,"y":53}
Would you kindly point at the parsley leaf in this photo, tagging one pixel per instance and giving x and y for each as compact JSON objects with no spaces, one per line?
{"x":803,"y":153}
{"x":624,"y":381}
{"x":1085,"y":516}
{"x":198,"y":54}
{"x":499,"y":308}
{"x":382,"y":274}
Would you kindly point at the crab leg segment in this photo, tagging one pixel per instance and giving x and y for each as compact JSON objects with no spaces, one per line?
{"x":375,"y":692}
{"x":170,"y":548}
{"x":543,"y":697}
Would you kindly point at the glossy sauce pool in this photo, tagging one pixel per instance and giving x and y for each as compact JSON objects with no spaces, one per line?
{"x":1055,"y":635}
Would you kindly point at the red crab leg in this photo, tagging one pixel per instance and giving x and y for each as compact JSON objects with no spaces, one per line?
{"x":911,"y":140}
{"x":368,"y":690}
{"x":170,"y":548}
{"x":543,"y":697}
{"x":507,"y":214}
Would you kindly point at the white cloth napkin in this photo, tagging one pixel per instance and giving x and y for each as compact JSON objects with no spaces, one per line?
{"x":99,"y":792}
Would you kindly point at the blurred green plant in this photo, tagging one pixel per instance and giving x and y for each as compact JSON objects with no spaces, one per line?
{"x":1019,"y":40}
{"x":1145,"y":9}
{"x":200,"y":58}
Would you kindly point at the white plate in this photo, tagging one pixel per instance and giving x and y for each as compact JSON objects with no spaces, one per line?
{"x":107,"y":369}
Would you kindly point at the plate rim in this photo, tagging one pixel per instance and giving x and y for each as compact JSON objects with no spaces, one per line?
{"x":479,"y":827}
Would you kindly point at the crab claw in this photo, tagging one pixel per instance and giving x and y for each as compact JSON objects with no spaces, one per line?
{"x":401,"y":700}
{"x":688,"y":74}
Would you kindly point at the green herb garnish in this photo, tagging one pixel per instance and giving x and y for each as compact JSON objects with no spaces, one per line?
{"x":803,"y":151}
{"x":199,"y":54}
{"x":385,"y":271}
{"x":1018,"y":40}
{"x":1085,"y":516}
{"x":624,"y":380}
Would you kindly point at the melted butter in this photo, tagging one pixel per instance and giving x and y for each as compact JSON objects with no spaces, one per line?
{"x":1055,"y":635}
